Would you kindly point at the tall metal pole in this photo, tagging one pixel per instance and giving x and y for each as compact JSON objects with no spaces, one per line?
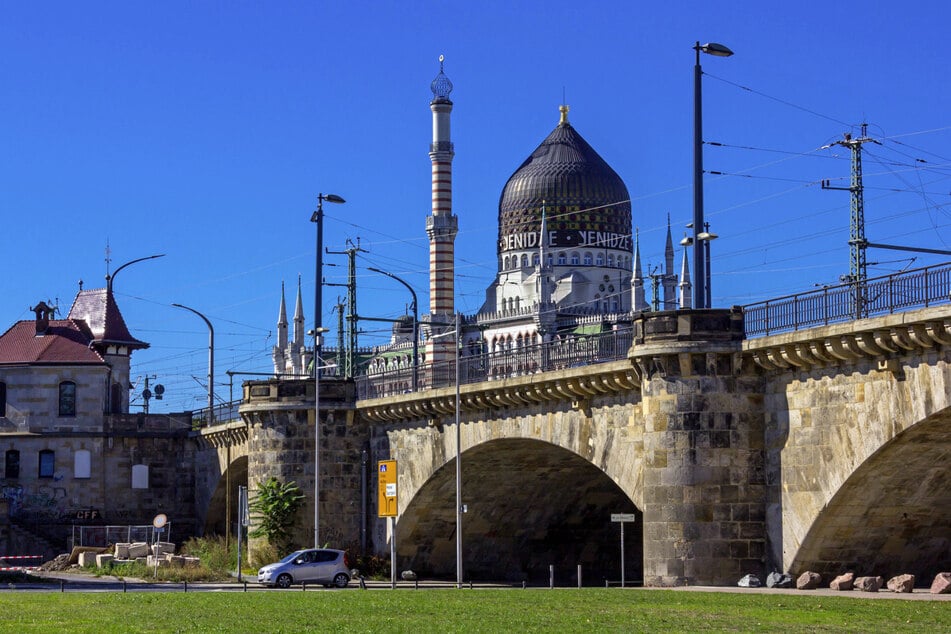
{"x":415,"y":323}
{"x":699,"y":289}
{"x":211,"y":363}
{"x":458,"y":468}
{"x":317,"y":217}
{"x":111,"y":278}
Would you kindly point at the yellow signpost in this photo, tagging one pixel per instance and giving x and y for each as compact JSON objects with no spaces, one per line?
{"x":387,"y":499}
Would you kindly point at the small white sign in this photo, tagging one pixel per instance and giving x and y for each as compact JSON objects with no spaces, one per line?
{"x":391,"y":490}
{"x":623,"y":517}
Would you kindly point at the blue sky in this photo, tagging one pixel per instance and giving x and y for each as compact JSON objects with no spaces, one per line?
{"x":205,"y":131}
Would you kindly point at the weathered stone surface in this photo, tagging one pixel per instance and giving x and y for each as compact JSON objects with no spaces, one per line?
{"x":138,"y":549}
{"x":843,"y":582}
{"x":408,"y":575}
{"x":868,"y":584}
{"x":902,"y":583}
{"x":941,"y":583}
{"x":87,"y":558}
{"x":749,"y":581}
{"x":160,"y":549}
{"x":808,"y":581}
{"x":122,"y":551}
{"x":103,"y":560}
{"x":779,"y":580}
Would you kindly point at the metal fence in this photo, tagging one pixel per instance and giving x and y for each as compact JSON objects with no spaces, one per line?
{"x":102,"y":536}
{"x":877,"y":296}
{"x":559,"y":354}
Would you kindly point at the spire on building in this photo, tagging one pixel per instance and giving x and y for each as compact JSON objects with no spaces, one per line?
{"x":669,"y":278}
{"x":637,"y":277}
{"x":685,"y":287}
{"x":299,"y":318}
{"x":282,"y":322}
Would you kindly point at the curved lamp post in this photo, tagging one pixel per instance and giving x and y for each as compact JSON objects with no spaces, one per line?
{"x":415,"y":324}
{"x":318,"y":218}
{"x":211,"y":363}
{"x":110,"y":278}
{"x":701,"y":291}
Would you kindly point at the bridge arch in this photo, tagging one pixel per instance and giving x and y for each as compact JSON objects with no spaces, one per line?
{"x":530,"y":504}
{"x":891,"y":516}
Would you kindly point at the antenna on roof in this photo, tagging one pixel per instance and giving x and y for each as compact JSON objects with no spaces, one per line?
{"x":108,"y":258}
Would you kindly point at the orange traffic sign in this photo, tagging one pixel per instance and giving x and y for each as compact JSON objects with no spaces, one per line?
{"x":387,"y":501}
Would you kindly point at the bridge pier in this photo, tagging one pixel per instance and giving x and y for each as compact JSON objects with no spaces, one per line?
{"x":704,"y":460}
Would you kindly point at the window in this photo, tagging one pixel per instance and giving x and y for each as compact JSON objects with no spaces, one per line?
{"x":67,"y":398}
{"x":575,"y":259}
{"x":47,"y":463}
{"x":3,"y":399}
{"x":524,"y":260}
{"x":140,"y":476}
{"x":535,"y":260}
{"x":600,"y":260}
{"x":587,"y":259}
{"x":12,"y":463}
{"x":81,"y":464}
{"x":562,"y":260}
{"x":611,"y":260}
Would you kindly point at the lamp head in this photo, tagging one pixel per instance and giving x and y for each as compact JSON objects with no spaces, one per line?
{"x":331,"y":198}
{"x":718,"y":50}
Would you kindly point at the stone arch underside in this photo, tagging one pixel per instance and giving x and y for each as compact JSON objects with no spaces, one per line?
{"x":236,"y":475}
{"x":530,"y":504}
{"x":893,"y":514}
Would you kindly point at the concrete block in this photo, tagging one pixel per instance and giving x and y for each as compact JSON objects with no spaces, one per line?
{"x":163,"y":548}
{"x":87,"y":559}
{"x":138,"y":549}
{"x":103,"y":560}
{"x":122,"y":551}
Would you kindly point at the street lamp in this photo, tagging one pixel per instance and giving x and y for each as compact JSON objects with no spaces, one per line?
{"x":111,"y":278}
{"x":707,"y":237}
{"x":211,"y":363}
{"x":459,"y":505}
{"x":701,"y":293}
{"x":415,"y":324}
{"x":318,"y":218}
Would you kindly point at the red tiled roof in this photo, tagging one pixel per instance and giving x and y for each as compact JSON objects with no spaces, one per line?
{"x":97,"y":307}
{"x":65,"y":341}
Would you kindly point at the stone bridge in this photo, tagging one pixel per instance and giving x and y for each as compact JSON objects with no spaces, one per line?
{"x":825,"y":449}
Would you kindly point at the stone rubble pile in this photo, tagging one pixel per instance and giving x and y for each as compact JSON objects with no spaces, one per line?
{"x":848,"y":581}
{"x":158,"y":554}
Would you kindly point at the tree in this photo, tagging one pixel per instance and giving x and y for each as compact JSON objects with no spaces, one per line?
{"x":273,"y":509}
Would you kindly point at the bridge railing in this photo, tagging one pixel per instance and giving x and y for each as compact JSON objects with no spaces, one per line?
{"x":877,"y":296}
{"x":473,"y":368}
{"x":224,"y":413}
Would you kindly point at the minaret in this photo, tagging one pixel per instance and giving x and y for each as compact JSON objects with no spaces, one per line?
{"x":281,"y":347}
{"x":685,"y":287}
{"x":637,"y":277}
{"x":669,"y":277}
{"x":441,"y":225}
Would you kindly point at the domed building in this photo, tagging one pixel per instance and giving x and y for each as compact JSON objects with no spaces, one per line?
{"x":568,"y":262}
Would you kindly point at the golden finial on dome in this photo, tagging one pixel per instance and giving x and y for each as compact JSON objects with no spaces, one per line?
{"x":563,"y":109}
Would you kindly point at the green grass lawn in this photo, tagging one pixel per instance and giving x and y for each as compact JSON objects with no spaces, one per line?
{"x":451,"y":610}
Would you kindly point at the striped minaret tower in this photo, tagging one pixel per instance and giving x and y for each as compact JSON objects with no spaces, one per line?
{"x":441,"y":225}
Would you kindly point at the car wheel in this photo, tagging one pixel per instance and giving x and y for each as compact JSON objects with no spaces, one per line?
{"x":341,"y":580}
{"x":284,"y":581}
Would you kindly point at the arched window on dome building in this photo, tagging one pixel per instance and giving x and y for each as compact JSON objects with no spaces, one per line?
{"x":599,"y":260}
{"x":587,"y":259}
{"x":524,"y":261}
{"x":535,"y":259}
{"x":562,"y":259}
{"x":575,"y":259}
{"x":610,"y":261}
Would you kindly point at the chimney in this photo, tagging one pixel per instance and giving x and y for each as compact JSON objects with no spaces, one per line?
{"x":43,"y":315}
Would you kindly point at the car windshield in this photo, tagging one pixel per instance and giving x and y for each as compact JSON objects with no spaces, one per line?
{"x":294,"y":555}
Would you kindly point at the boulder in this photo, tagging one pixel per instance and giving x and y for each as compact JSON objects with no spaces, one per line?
{"x":843,"y":582}
{"x":778,"y":580}
{"x":941,"y":583}
{"x":122,"y":551}
{"x":87,"y":558}
{"x":869,"y":584}
{"x":104,"y":560}
{"x":160,"y":549}
{"x":408,"y":575}
{"x":902,"y":583}
{"x":808,"y":581}
{"x":749,"y":581}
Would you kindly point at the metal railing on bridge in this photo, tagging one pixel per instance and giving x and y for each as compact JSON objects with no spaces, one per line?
{"x":877,"y":296}
{"x":562,"y":353}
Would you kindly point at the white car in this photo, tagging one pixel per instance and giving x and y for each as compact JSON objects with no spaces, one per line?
{"x":316,"y":565}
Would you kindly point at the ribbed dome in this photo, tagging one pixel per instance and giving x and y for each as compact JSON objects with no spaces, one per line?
{"x":580,"y":191}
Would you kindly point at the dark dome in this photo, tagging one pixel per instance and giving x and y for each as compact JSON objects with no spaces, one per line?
{"x":580,"y":191}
